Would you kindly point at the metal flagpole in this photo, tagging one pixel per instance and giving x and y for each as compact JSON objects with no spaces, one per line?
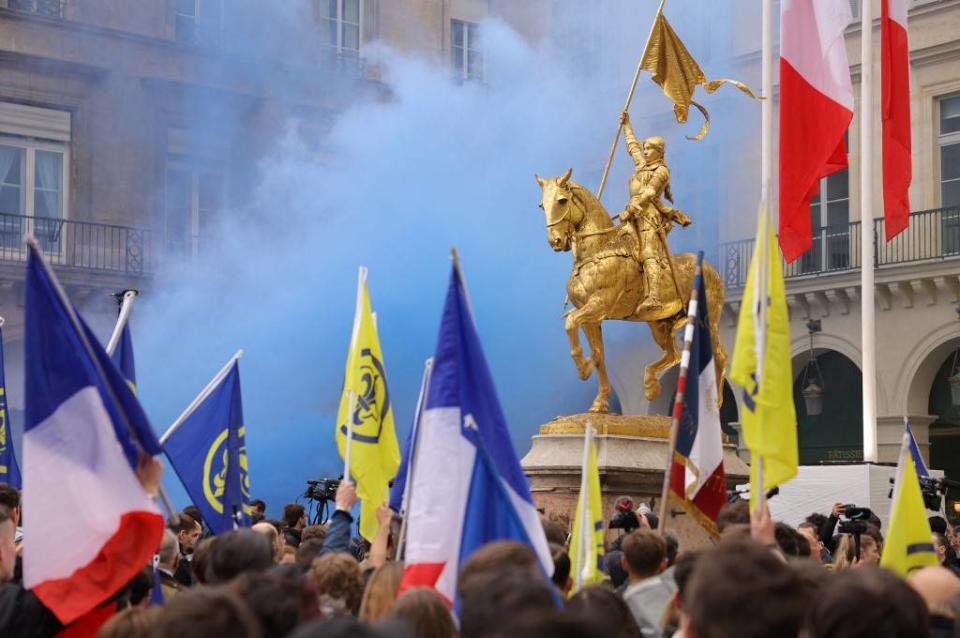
{"x":126,"y":308}
{"x":867,"y":311}
{"x":414,"y":440}
{"x":585,"y":527}
{"x":678,"y":399}
{"x":626,"y":106}
{"x":200,"y":398}
{"x":349,"y":444}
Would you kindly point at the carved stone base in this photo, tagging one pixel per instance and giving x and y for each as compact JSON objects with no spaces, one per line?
{"x":631,"y":456}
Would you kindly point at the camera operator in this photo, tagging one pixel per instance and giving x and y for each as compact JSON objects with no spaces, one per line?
{"x":338,"y":536}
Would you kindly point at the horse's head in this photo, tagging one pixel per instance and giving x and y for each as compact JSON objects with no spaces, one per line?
{"x":562,"y":213}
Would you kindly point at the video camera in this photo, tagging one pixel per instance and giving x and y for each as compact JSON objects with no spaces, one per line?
{"x":855,"y":524}
{"x":736,"y":494}
{"x":625,"y":517}
{"x":932,"y":489}
{"x":323,"y":490}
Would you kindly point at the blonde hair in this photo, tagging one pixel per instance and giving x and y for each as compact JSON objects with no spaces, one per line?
{"x":846,"y":549}
{"x":381,"y":592}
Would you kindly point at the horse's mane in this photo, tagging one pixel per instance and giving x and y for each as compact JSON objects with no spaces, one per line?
{"x":590,"y":202}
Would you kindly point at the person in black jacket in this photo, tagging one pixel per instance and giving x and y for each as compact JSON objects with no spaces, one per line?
{"x":294,"y":520}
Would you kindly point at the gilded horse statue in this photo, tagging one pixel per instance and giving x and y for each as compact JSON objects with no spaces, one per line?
{"x":608,"y":282}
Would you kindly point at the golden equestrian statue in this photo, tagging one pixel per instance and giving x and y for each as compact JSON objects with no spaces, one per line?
{"x":626,"y":272}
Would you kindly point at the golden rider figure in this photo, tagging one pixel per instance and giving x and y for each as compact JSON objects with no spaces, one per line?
{"x":649,"y":217}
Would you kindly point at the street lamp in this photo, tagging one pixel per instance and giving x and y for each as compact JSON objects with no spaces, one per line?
{"x":812,"y":383}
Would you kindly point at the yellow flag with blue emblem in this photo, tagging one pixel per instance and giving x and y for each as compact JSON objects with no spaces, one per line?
{"x":762,"y":367}
{"x":374,"y":451}
{"x":908,"y":543}
{"x":586,"y":543}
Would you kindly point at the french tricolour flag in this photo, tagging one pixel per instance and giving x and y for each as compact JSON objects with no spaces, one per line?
{"x":697,"y":478}
{"x":466,"y":487}
{"x":84,"y":433}
{"x":816,"y":107}
{"x":895,"y":111}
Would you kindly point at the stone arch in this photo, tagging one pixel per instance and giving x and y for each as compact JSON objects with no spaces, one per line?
{"x":835,"y":434}
{"x":920,"y":367}
{"x":822,"y":342}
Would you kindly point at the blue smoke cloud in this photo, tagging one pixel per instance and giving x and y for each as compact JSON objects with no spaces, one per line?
{"x":394,"y":186}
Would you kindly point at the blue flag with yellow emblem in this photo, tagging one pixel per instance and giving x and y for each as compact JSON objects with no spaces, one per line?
{"x":9,"y":470}
{"x":207,"y":451}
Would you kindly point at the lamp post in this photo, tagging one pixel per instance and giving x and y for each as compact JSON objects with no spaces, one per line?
{"x":812,"y":384}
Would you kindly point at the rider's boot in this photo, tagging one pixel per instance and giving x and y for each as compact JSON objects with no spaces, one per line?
{"x":651,"y":267}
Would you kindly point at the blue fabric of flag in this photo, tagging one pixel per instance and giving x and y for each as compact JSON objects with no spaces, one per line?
{"x":915,"y":453}
{"x":701,"y":356}
{"x":123,"y":356}
{"x":9,"y":469}
{"x":58,"y":364}
{"x":208,"y":453}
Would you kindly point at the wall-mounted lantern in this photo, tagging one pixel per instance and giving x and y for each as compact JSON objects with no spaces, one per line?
{"x":812,"y":386}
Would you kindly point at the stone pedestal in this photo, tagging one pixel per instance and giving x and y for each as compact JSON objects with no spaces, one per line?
{"x":631,"y":456}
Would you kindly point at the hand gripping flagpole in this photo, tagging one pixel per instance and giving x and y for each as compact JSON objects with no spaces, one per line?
{"x":412,"y":458}
{"x":81,"y":334}
{"x":626,"y":106}
{"x":126,"y":307}
{"x":681,"y":389}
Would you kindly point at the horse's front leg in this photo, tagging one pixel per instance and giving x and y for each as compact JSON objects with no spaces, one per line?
{"x":601,"y":403}
{"x":663,"y":335}
{"x":584,"y":365}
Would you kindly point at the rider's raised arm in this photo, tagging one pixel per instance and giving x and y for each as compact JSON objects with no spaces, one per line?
{"x":634,"y":146}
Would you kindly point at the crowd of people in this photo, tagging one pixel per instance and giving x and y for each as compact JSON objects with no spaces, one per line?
{"x":288,"y":578}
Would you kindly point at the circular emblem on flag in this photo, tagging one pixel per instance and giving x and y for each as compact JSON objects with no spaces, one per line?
{"x":373,"y":400}
{"x":215,"y":472}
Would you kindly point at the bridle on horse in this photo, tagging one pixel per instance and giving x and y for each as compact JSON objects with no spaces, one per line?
{"x":580,"y":235}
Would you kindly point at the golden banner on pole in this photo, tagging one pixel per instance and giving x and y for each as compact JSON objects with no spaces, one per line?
{"x":675,"y":70}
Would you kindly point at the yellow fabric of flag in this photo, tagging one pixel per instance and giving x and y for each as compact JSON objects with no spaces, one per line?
{"x":908,"y":543}
{"x":678,"y":74}
{"x":761,"y":366}
{"x":586,"y":543}
{"x":374,"y":451}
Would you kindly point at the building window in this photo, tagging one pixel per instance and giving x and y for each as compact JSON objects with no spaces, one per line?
{"x":198,"y":22}
{"x":465,"y":55}
{"x":51,"y":8}
{"x":341,"y":30}
{"x":830,"y":220}
{"x":32,"y":188}
{"x":193,"y":199}
{"x":949,"y":142}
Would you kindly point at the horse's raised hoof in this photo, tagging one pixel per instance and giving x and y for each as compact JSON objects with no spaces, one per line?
{"x":584,"y":368}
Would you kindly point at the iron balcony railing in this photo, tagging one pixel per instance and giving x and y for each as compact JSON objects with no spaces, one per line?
{"x":932,"y":235}
{"x":92,"y":246}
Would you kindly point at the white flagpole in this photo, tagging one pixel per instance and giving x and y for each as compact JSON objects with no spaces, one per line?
{"x":585,"y":536}
{"x":867,"y":311}
{"x":214,"y":382}
{"x":352,"y":402}
{"x":411,"y":465}
{"x":125,"y":309}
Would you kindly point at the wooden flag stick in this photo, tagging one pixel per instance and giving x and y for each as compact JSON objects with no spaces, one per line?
{"x":678,"y":400}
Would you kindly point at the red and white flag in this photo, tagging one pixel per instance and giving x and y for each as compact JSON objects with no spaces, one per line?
{"x":895,"y":111}
{"x":816,"y":107}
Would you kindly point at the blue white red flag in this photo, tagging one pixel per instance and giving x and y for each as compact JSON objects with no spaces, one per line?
{"x":123,"y":358}
{"x":83,"y":436}
{"x":466,"y":488}
{"x":9,"y":470}
{"x":697,"y":477}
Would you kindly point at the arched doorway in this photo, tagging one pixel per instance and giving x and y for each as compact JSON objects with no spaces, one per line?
{"x":835,"y":435}
{"x":728,"y":411}
{"x":945,"y":431}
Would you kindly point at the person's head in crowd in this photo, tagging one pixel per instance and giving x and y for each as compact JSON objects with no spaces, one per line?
{"x":139,"y":588}
{"x":555,"y":531}
{"x":787,"y":539}
{"x":940,"y":546}
{"x":289,"y":556}
{"x":338,"y":584}
{"x":294,"y":516}
{"x":238,"y":552}
{"x":8,"y":549}
{"x":426,"y":615}
{"x":644,"y":555}
{"x":673,"y":547}
{"x":309,"y":551}
{"x":846,"y":554}
{"x":811,"y":533}
{"x":348,"y":628}
{"x":201,"y":559}
{"x":206,"y":611}
{"x":274,"y":597}
{"x":313,"y":531}
{"x":723,"y":596}
{"x":815,"y":520}
{"x":602,"y":608}
{"x":938,"y":524}
{"x":169,"y":551}
{"x":10,"y":497}
{"x":258,"y":509}
{"x":133,"y":622}
{"x":544,"y":623}
{"x":735,"y":513}
{"x":955,"y":538}
{"x":493,"y":596}
{"x":613,"y":566}
{"x":269,"y":531}
{"x":868,"y":603}
{"x":188,"y":532}
{"x":194,"y":512}
{"x":497,"y":558}
{"x":938,"y":587}
{"x":561,"y":569}
{"x":381,"y":591}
